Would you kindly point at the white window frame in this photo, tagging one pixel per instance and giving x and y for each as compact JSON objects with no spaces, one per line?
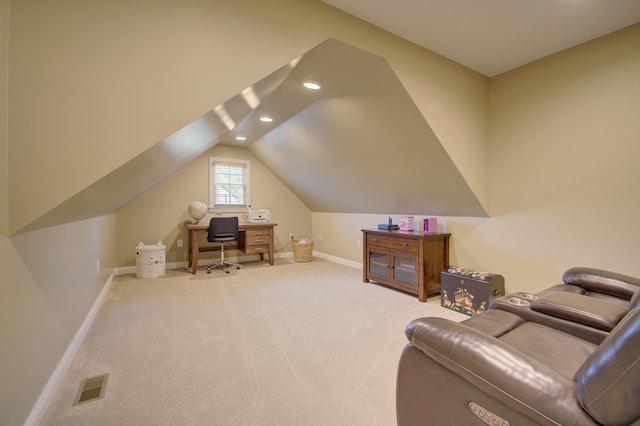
{"x":228,"y":207}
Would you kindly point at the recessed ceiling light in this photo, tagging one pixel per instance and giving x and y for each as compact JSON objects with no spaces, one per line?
{"x":313,"y":85}
{"x":266,"y":119}
{"x":241,"y":138}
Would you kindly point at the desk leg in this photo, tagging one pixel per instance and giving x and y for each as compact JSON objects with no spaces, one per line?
{"x":271,"y":245}
{"x":194,"y":248}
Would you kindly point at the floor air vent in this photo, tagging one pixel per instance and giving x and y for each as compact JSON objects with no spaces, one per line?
{"x":91,"y":389}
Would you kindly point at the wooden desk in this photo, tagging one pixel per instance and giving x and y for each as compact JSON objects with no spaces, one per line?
{"x":253,"y":238}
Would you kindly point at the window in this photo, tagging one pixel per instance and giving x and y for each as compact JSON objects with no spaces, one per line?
{"x":229,"y":183}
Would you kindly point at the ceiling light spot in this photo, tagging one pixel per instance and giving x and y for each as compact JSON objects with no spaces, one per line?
{"x":221,"y":112}
{"x":266,"y":119}
{"x":312,"y":85}
{"x":250,"y":97}
{"x":241,"y":138}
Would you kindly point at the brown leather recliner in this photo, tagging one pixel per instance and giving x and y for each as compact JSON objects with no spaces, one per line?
{"x":500,"y":368}
{"x":588,"y":305}
{"x":598,"y":283}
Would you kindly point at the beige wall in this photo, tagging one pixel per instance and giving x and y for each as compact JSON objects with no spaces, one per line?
{"x":4,"y":120}
{"x":564,"y":171}
{"x":161,"y":212}
{"x":564,"y":153}
{"x":49,"y":282}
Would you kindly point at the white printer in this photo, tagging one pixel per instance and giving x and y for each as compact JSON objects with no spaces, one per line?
{"x":257,"y":216}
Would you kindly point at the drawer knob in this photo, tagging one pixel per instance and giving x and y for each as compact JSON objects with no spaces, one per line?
{"x":375,"y":240}
{"x":406,"y":244}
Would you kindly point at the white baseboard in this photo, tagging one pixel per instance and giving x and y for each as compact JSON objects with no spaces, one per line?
{"x":204,"y":262}
{"x":39,"y":409}
{"x":340,"y":260}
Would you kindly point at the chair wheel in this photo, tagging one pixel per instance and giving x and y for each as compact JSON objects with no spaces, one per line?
{"x":227,"y":271}
{"x":237,"y":267}
{"x":208,"y":272}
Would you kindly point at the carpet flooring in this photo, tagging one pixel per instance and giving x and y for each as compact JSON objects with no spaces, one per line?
{"x":288,"y":344}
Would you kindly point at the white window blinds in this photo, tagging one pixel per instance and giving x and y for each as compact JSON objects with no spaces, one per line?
{"x":229,"y":182}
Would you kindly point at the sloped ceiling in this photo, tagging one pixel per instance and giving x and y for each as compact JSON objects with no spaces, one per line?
{"x":362,"y":146}
{"x":139,"y":174}
{"x":358,"y":145}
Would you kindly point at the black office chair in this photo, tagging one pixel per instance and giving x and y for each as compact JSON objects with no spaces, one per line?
{"x":223,"y":230}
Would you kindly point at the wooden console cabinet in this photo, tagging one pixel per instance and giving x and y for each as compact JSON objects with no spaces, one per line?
{"x":405,"y":260}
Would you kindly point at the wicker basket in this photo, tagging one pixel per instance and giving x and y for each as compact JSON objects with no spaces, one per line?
{"x":302,"y":251}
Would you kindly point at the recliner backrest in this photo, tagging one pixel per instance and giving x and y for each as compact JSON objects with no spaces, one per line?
{"x":608,"y":383}
{"x":601,"y":281}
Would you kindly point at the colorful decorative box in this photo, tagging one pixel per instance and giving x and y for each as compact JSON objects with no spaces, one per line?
{"x":468,"y":291}
{"x":406,"y":223}
{"x":430,"y":225}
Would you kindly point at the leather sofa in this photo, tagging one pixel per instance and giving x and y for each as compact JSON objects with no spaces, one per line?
{"x":598,"y":283}
{"x":588,"y":305}
{"x":572,"y":362}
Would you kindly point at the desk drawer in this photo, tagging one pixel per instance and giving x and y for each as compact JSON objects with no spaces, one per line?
{"x":256,"y":237}
{"x":404,"y":244}
{"x":256,"y":249}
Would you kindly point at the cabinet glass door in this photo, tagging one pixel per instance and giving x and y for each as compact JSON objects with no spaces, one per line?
{"x":404,"y":270}
{"x":379,"y":264}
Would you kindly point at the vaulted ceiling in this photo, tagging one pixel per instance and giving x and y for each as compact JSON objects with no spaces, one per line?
{"x":324,"y":145}
{"x":327,"y":146}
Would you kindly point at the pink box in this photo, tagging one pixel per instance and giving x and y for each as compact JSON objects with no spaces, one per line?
{"x":406,"y":223}
{"x":430,"y":225}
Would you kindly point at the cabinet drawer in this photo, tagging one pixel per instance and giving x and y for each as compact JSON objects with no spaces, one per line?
{"x":257,"y":237}
{"x":256,"y":249}
{"x":393,"y":243}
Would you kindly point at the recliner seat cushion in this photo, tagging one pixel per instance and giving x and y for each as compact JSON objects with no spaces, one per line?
{"x":494,"y":322}
{"x":549,"y":346}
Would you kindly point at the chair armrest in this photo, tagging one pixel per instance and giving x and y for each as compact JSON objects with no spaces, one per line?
{"x":589,"y":311}
{"x":601,"y":281}
{"x":498,"y":370}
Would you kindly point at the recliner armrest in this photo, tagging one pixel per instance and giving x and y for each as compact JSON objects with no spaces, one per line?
{"x":601,"y":281}
{"x":580,"y":330}
{"x":498,"y":369}
{"x":589,"y":311}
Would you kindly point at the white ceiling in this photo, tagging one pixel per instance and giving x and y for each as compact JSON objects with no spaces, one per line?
{"x":494,"y":36}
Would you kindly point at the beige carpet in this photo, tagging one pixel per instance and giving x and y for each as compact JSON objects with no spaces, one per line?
{"x":288,"y":344}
